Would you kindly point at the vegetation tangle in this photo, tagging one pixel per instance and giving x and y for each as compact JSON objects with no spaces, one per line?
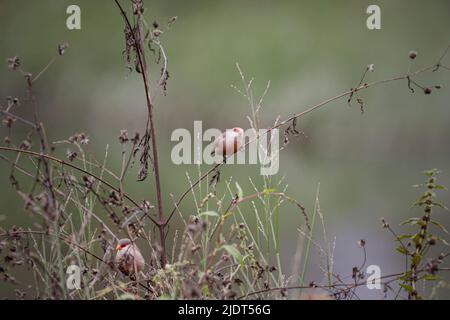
{"x":81,"y":209}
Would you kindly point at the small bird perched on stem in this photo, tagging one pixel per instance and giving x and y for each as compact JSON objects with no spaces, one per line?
{"x":129,"y":259}
{"x":229,"y":142}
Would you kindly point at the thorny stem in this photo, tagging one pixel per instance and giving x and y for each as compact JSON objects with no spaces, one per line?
{"x":161,"y":224}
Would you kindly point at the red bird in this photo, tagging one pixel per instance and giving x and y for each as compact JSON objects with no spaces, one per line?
{"x":129,"y":259}
{"x":229,"y":142}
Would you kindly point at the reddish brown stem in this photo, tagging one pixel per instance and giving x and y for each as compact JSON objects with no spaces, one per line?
{"x":143,"y":66}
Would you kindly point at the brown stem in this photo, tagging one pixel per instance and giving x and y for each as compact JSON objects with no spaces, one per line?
{"x":143,"y":66}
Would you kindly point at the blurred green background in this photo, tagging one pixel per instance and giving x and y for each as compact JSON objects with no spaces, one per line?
{"x":309,"y":50}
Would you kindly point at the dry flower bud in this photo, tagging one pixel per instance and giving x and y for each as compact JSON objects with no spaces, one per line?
{"x":412,"y":55}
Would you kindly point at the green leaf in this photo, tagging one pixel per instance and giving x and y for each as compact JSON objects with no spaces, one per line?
{"x":407,"y":287}
{"x":430,"y":277}
{"x":404,"y":236}
{"x":416,"y":259}
{"x":439,"y":225}
{"x":126,"y":296}
{"x":234,"y":252}
{"x":402,"y":250}
{"x":410,"y":221}
{"x":205,"y":290}
{"x":209,"y":214}
{"x":440,"y":205}
{"x":240,"y":192}
{"x":431,"y":172}
{"x":416,"y":239}
{"x":268,"y":191}
{"x":104,"y":291}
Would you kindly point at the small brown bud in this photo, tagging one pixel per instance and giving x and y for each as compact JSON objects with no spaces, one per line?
{"x":432,"y":241}
{"x":412,"y":55}
{"x":13,"y":63}
{"x":157,"y":33}
{"x":71,"y":155}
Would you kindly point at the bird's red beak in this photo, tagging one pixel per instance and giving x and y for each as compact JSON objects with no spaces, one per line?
{"x":118,"y":247}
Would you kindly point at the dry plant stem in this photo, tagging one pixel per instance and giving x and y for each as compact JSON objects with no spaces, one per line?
{"x":67,"y":240}
{"x":63,"y":238}
{"x":144,"y":72}
{"x":64,"y":163}
{"x":347,"y":286}
{"x":350,"y":92}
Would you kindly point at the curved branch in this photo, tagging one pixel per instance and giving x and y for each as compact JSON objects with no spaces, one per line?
{"x":350,"y":92}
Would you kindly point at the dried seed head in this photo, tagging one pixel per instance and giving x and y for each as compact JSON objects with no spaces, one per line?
{"x":81,"y":138}
{"x":427,"y":90}
{"x":172,"y":20}
{"x":13,"y":63}
{"x":361,"y":243}
{"x":8,"y":121}
{"x":26,"y":144}
{"x":123,"y":137}
{"x":71,"y":155}
{"x":412,"y":55}
{"x":89,"y":182}
{"x":62,"y":48}
{"x":432,"y":241}
{"x":136,"y":138}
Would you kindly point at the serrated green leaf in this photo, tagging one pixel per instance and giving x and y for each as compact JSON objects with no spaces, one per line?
{"x":404,"y":236}
{"x":407,"y":287}
{"x":410,"y":221}
{"x":402,"y":250}
{"x":431,"y":172}
{"x":440,"y":205}
{"x":416,"y":259}
{"x":444,"y":241}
